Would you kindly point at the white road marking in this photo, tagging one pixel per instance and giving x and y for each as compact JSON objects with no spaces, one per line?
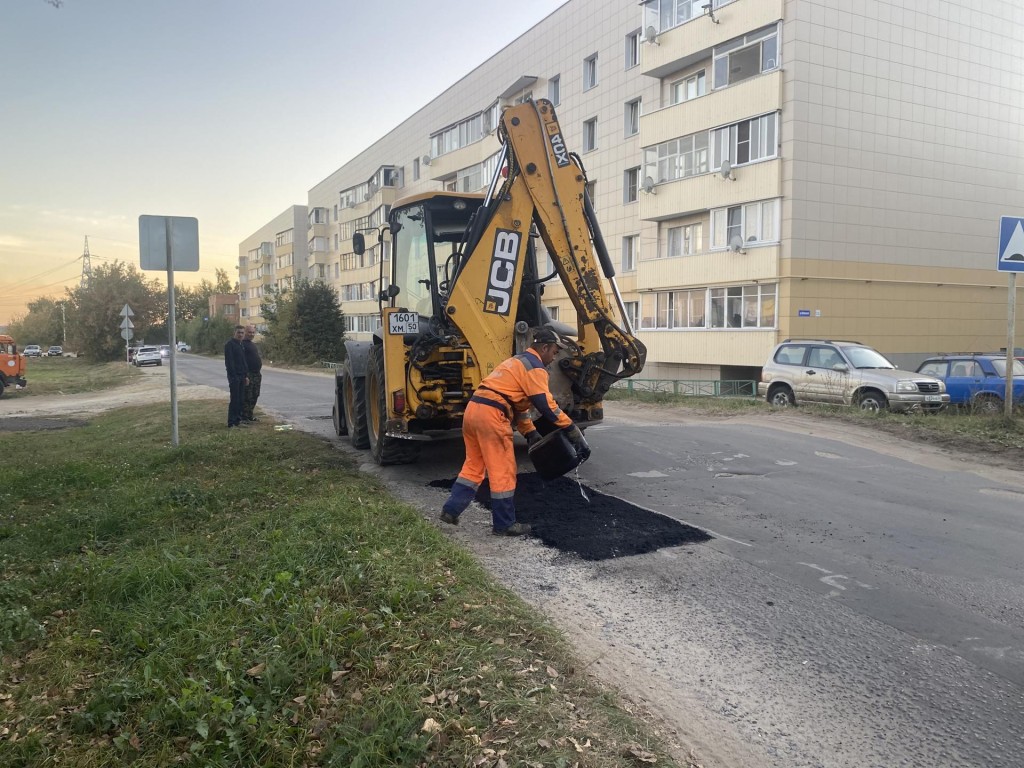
{"x":831,"y":578}
{"x":652,"y":473}
{"x":783,"y":463}
{"x":827,"y":455}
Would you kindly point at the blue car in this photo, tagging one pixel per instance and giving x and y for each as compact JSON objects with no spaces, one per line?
{"x":976,"y":381}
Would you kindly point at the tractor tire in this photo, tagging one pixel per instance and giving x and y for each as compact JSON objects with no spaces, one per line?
{"x":353,"y":399}
{"x":338,"y":411}
{"x":1,"y":389}
{"x":385,"y":450}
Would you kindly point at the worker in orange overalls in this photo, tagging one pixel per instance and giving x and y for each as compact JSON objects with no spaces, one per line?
{"x":502,"y":400}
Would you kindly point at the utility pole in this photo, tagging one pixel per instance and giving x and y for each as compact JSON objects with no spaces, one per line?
{"x":63,"y":324}
{"x":86,"y":266}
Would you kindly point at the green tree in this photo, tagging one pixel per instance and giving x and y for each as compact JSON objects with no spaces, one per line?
{"x":43,"y":325}
{"x":94,"y":318}
{"x":304,"y":324}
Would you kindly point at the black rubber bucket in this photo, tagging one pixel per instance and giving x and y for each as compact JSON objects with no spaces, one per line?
{"x":553,"y":455}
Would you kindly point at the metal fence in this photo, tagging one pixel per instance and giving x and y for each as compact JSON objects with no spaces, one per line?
{"x":689,"y":387}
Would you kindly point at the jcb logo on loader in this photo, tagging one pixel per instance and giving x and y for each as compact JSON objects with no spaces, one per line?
{"x":502,"y":276}
{"x":558,"y":147}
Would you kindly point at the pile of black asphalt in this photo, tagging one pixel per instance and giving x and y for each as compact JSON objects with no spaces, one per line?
{"x":600,"y":528}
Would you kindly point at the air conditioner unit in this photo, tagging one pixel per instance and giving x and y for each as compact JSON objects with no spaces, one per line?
{"x":425,"y":160}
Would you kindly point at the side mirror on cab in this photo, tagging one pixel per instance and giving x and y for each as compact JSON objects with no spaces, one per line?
{"x":389,"y":293}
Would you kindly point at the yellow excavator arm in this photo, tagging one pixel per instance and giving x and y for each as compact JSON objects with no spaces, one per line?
{"x":545,"y":186}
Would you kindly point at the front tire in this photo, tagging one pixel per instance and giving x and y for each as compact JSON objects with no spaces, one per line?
{"x":989,"y":405}
{"x":338,"y":411}
{"x":353,"y":400}
{"x":385,"y":450}
{"x":872,"y":402}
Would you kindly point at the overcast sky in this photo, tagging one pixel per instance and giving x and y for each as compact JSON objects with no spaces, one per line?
{"x":225,"y":110}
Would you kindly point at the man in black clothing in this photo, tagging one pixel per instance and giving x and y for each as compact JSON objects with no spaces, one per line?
{"x":253,"y":363}
{"x":234,"y":362}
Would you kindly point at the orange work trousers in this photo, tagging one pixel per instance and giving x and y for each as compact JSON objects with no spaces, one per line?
{"x":487,"y":434}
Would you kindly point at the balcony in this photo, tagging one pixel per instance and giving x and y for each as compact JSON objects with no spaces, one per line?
{"x":756,"y":96}
{"x":709,"y":268}
{"x":447,"y":165}
{"x":757,"y":181}
{"x":685,"y":45}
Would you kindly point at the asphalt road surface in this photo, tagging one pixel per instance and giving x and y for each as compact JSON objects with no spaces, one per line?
{"x":859,"y":603}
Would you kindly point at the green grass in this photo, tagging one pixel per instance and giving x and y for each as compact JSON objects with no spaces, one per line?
{"x":69,"y":375}
{"x":250,"y":598}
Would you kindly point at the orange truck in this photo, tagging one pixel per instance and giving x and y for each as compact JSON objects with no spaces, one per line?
{"x":12,"y":364}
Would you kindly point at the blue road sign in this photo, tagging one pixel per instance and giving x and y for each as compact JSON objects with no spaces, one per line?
{"x":1010,"y":257}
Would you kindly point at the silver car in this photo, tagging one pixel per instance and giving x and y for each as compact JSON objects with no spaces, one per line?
{"x":845,"y":373}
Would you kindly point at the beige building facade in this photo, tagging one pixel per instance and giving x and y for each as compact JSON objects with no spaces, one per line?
{"x":761,"y":169}
{"x":273,"y":256}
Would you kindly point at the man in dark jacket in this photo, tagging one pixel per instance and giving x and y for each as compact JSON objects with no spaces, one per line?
{"x":234,"y":362}
{"x":253,"y":364}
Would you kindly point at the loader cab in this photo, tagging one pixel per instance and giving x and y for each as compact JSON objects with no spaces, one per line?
{"x":427,"y":233}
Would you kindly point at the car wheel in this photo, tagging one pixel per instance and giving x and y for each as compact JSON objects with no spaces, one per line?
{"x":872,"y":401}
{"x":781,"y":396}
{"x":990,"y":405}
{"x":338,"y":411}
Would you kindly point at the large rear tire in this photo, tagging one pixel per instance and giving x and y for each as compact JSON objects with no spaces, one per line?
{"x":338,"y":411}
{"x":384,"y":449}
{"x":1,"y":389}
{"x":353,"y":398}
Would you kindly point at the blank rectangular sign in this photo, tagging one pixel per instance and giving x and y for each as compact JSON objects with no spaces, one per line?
{"x":184,"y":243}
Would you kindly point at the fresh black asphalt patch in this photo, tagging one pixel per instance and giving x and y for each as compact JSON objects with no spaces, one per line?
{"x":603,"y":528}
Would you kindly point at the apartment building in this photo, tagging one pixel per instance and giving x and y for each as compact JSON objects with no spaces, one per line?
{"x":273,"y":256}
{"x":761,"y":169}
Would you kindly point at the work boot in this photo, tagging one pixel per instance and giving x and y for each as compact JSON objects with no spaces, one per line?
{"x":449,"y":518}
{"x":516,"y":529}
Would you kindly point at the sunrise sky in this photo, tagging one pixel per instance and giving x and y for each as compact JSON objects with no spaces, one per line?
{"x":225,"y":110}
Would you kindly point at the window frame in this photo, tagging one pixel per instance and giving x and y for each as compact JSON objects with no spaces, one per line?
{"x":632,"y":49}
{"x":630,"y":253}
{"x":589,"y":135}
{"x":631,"y":112}
{"x":727,"y":141}
{"x":631,"y":185}
{"x":555,"y":89}
{"x":722,"y":54}
{"x":736,"y":224}
{"x":590,"y":74}
{"x":699,"y":78}
{"x":691,"y":234}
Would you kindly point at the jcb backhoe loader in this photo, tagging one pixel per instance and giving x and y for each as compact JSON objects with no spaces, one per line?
{"x":464,"y":294}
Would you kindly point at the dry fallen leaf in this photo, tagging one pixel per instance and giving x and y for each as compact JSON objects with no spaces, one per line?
{"x":430,"y":725}
{"x":256,"y":670}
{"x":640,"y":754}
{"x":552,"y":672}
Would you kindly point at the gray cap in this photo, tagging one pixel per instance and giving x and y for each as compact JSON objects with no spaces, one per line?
{"x":547,"y":336}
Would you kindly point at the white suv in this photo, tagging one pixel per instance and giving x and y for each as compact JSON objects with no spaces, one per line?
{"x":147,"y":356}
{"x":845,"y":373}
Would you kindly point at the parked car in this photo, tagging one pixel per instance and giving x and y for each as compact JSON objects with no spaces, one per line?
{"x":147,"y":356}
{"x":165,"y":351}
{"x":55,"y":351}
{"x":32,"y":350}
{"x":977,"y":380}
{"x":183,"y":347}
{"x":845,"y":373}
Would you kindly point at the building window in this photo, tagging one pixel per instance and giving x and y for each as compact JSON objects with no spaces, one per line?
{"x":672,"y":13}
{"x":632,"y":117}
{"x":747,"y":141}
{"x":416,"y":169}
{"x":552,"y":312}
{"x":677,"y":159}
{"x":683,"y":241}
{"x":632,"y":313}
{"x":335,"y":241}
{"x":335,"y":213}
{"x":462,"y":134}
{"x":689,"y":88}
{"x":590,"y":135}
{"x":667,"y":310}
{"x":592,"y":192}
{"x":632,"y":49}
{"x":630,"y":247}
{"x":743,"y":306}
{"x":589,"y":72}
{"x":630,"y":185}
{"x":741,"y":225}
{"x":746,"y":56}
{"x":554,"y":89}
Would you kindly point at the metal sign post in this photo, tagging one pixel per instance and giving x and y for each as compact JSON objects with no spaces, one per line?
{"x":170,"y":242}
{"x":1010,"y":258}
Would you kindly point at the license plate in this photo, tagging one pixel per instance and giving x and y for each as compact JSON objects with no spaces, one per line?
{"x":933,"y":398}
{"x":401,"y":323}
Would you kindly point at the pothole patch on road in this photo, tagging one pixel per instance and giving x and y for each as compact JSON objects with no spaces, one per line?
{"x":603,"y":528}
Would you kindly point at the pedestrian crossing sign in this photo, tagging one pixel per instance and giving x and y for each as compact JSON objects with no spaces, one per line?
{"x":1011,"y":244}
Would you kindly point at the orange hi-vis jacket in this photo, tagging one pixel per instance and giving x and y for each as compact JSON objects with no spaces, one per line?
{"x":516,"y":385}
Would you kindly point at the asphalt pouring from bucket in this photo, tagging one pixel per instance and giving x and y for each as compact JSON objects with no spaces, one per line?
{"x":554,"y":455}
